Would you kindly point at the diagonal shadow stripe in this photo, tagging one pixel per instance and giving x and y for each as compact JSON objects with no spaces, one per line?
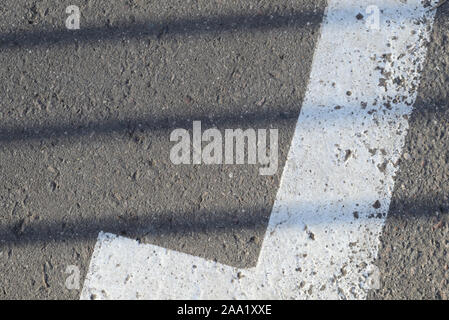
{"x":170,"y":28}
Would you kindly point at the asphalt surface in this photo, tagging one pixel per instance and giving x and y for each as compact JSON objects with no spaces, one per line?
{"x":86,"y":116}
{"x":413,"y":259}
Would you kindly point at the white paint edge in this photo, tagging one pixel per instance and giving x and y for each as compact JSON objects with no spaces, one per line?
{"x":314,"y":246}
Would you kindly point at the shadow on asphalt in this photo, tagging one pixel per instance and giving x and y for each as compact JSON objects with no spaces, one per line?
{"x":158,"y":29}
{"x":85,"y":229}
{"x":42,"y":231}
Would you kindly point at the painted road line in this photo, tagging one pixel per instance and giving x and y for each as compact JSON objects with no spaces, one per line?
{"x":336,"y":186}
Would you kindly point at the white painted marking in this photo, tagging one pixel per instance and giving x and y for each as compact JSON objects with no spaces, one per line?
{"x":341,"y":164}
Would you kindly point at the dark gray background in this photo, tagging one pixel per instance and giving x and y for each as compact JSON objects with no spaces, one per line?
{"x":85,"y":120}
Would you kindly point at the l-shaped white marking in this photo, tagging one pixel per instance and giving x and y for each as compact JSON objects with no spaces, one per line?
{"x":336,"y":186}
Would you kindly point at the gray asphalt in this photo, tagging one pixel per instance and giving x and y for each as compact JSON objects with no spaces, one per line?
{"x":413,"y":259}
{"x":86,"y":116}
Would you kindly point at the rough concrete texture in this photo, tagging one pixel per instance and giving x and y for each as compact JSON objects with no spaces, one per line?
{"x":413,"y":258}
{"x":86,"y":118}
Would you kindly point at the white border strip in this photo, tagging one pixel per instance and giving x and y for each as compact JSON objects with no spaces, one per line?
{"x":337,"y":183}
